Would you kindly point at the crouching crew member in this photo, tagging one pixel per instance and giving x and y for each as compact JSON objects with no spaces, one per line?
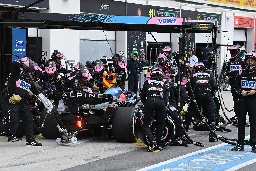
{"x":247,"y":103}
{"x":154,"y":97}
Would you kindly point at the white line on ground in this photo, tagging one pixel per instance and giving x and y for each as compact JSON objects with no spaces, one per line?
{"x":242,"y":165}
{"x":182,"y":157}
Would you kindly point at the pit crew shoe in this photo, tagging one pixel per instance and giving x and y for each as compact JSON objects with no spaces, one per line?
{"x":152,"y":146}
{"x":13,"y":139}
{"x":157,"y":148}
{"x":212,"y":137}
{"x":238,"y":147}
{"x":33,"y":143}
{"x":254,"y":149}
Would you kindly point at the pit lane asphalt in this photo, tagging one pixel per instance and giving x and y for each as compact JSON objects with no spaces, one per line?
{"x":98,"y":155}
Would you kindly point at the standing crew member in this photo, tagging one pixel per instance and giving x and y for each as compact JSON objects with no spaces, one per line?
{"x":204,"y":87}
{"x":19,"y":91}
{"x":235,"y":65}
{"x":154,"y":97}
{"x":246,"y":88}
{"x":134,"y":68}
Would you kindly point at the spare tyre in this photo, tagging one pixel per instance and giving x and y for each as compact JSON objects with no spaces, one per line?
{"x":123,"y":125}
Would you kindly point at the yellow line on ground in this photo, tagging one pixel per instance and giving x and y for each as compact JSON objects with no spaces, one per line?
{"x":140,"y":144}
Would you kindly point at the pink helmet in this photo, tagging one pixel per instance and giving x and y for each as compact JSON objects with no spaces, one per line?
{"x":57,"y":54}
{"x":31,"y":65}
{"x":98,"y":68}
{"x":122,"y":64}
{"x":233,"y":48}
{"x":86,"y":74}
{"x":157,"y":71}
{"x":60,"y":55}
{"x":251,"y":55}
{"x":234,"y":51}
{"x":50,"y":68}
{"x":198,"y":64}
{"x":167,"y":49}
{"x":161,"y":55}
{"x":37,"y":68}
{"x":87,"y":90}
{"x":79,"y":66}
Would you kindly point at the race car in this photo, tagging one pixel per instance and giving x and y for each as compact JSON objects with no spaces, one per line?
{"x":111,"y":114}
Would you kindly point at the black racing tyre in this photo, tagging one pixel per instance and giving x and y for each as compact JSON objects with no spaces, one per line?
{"x":49,"y":130}
{"x":168,"y":134}
{"x":123,"y":125}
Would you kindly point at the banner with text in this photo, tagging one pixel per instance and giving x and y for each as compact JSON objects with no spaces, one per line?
{"x":241,"y":3}
{"x":19,"y":43}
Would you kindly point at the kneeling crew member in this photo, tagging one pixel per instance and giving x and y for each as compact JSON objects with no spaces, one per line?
{"x":154,"y":97}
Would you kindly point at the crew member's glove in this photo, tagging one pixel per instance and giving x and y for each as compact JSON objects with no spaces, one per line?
{"x":14,"y":99}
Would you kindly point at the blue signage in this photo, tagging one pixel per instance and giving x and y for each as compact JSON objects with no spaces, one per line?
{"x":19,"y":43}
{"x":43,"y":4}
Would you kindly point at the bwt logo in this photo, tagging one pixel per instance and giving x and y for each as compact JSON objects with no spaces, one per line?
{"x":25,"y":85}
{"x":235,"y":67}
{"x":19,"y":43}
{"x":167,"y":21}
{"x":248,"y":84}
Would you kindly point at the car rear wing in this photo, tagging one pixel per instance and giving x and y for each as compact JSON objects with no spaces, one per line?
{"x":86,"y":98}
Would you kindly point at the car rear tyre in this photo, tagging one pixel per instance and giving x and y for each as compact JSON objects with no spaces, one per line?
{"x":123,"y":125}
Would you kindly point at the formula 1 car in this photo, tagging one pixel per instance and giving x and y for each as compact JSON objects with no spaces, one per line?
{"x":111,"y":113}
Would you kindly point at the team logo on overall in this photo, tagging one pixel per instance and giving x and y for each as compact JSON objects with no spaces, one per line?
{"x":22,"y":84}
{"x":202,"y":81}
{"x":235,"y":67}
{"x":201,"y":75}
{"x":248,"y":84}
{"x":155,"y":89}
